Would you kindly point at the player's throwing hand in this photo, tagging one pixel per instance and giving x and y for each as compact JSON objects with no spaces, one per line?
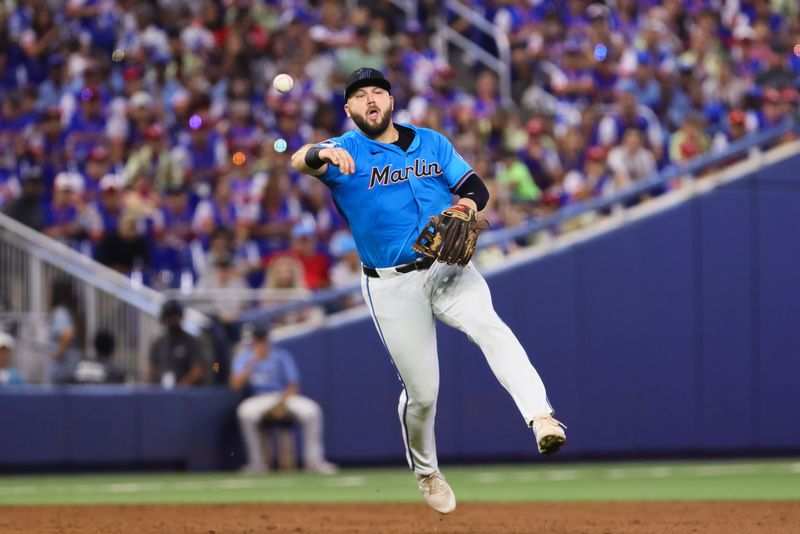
{"x":338,"y":157}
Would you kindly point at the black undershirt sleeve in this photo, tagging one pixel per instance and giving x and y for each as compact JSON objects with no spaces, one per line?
{"x":474,"y":189}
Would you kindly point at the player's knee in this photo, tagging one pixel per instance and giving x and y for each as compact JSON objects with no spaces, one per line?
{"x":310,"y":412}
{"x":245,"y":414}
{"x":423,"y":402}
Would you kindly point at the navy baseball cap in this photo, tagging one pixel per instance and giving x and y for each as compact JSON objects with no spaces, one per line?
{"x":171,"y":308}
{"x":261,"y":330}
{"x":365,"y":77}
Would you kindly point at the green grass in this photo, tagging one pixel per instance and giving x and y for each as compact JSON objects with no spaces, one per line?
{"x":729,"y":480}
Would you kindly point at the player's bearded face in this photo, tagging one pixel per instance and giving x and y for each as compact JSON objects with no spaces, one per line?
{"x":373,"y":122}
{"x":372,"y":114}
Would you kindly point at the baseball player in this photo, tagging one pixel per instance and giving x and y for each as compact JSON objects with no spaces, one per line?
{"x":394,"y":185}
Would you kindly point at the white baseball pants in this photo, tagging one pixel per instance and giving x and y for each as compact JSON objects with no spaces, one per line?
{"x":404,"y":308}
{"x":307,"y":411}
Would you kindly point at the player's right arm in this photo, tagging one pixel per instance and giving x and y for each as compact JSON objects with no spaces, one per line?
{"x":307,"y":160}
{"x":243,"y":366}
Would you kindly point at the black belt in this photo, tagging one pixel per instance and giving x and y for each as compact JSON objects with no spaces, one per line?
{"x":419,"y":265}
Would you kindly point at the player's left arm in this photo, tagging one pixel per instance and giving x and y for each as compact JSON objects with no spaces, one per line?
{"x":460,"y":177}
{"x":473,"y":193}
{"x":451,"y":237}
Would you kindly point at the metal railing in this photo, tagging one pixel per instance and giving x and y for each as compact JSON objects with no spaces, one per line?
{"x":30,"y":262}
{"x":410,"y":8}
{"x":501,"y":65}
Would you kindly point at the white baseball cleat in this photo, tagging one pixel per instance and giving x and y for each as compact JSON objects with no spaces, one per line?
{"x":437,"y":492}
{"x":549,"y":432}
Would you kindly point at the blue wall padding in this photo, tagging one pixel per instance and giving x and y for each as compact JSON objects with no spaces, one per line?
{"x":776,"y":376}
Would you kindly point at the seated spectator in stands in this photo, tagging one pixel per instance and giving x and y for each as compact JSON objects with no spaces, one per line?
{"x":271,"y":376}
{"x":275,"y":214}
{"x":628,"y":115}
{"x":725,"y":86}
{"x":217,"y":211}
{"x":316,"y":202}
{"x":573,"y":83}
{"x":97,"y":166}
{"x":644,"y":85}
{"x":593,"y":181}
{"x":103,"y":214}
{"x":54,"y":87}
{"x":202,"y":151}
{"x":777,"y":72}
{"x":62,"y":215}
{"x":346,"y":272}
{"x":141,"y":198}
{"x":223,"y":275}
{"x":176,"y":357}
{"x":220,"y":245}
{"x":9,"y":375}
{"x":50,"y":139}
{"x":154,"y":158}
{"x":87,"y":127}
{"x":66,"y":332}
{"x":734,"y":130}
{"x":304,"y":248}
{"x":125,"y":249}
{"x":690,"y":140}
{"x":516,"y":176}
{"x":540,"y":154}
{"x":631,"y":161}
{"x":605,"y":78}
{"x":285,"y":275}
{"x":171,"y":227}
{"x":572,"y":147}
{"x":290,"y":125}
{"x":28,"y":208}
{"x":770,"y":114}
{"x":101,"y":369}
{"x":599,"y":181}
{"x":360,"y":53}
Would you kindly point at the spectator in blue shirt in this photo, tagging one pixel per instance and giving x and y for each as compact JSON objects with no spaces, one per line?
{"x":9,"y":376}
{"x":272,"y":377}
{"x":66,"y":332}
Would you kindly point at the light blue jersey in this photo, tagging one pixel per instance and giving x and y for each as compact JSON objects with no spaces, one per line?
{"x":391,"y":195}
{"x":275,"y":373}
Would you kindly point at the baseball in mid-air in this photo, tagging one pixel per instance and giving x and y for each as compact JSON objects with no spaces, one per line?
{"x":283,"y":83}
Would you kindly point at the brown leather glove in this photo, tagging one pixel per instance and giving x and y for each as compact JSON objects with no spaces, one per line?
{"x":451,"y":236}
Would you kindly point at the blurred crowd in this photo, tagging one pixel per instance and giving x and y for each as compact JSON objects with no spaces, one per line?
{"x":143,"y":133}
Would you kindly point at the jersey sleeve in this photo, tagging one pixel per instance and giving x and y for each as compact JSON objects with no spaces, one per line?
{"x":332,"y":177}
{"x":455,"y":169}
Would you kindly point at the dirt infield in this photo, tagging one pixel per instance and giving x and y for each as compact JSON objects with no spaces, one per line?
{"x":583,"y":518}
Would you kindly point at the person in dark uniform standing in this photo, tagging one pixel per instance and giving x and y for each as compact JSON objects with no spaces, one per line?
{"x":175,"y":356}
